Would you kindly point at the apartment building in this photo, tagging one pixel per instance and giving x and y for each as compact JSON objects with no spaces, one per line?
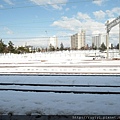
{"x":54,"y":42}
{"x":97,"y":40}
{"x":78,"y":40}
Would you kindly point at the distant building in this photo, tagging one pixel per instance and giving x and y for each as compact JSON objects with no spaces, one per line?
{"x":78,"y":40}
{"x":98,"y":40}
{"x":54,"y":42}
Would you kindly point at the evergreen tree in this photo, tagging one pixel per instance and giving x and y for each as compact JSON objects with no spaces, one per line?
{"x":51,"y":48}
{"x":117,"y":46}
{"x":103,"y":47}
{"x":61,"y":46}
{"x":2,"y":47}
{"x":94,"y":47}
{"x":11,"y":48}
{"x":22,"y":50}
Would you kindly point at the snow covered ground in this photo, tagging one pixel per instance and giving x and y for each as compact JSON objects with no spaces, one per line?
{"x":31,"y":68}
{"x":66,"y":62}
{"x":43,"y":103}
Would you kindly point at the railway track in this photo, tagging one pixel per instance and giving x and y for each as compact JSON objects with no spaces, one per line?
{"x":56,"y":66}
{"x":53,"y":90}
{"x":91,"y":73}
{"x":60,"y":91}
{"x":59,"y":85}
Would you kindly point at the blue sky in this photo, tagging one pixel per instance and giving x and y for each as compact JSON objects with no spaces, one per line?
{"x":32,"y":22}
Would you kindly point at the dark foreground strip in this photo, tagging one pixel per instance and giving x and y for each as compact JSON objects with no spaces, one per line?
{"x":60,"y":91}
{"x":59,"y":117}
{"x":58,"y":85}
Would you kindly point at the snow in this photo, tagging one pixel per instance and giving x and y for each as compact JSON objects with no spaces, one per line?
{"x":67,"y":67}
{"x":24,"y":103}
{"x":66,"y":62}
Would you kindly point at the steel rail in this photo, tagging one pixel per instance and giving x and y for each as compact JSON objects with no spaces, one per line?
{"x":58,"y":85}
{"x":61,"y":91}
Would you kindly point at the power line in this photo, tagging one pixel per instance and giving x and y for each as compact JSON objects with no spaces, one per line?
{"x":47,"y":4}
{"x":64,"y":36}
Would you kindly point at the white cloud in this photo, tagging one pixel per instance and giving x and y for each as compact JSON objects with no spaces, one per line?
{"x":67,"y":9}
{"x":83,"y":17}
{"x":74,"y":7}
{"x":98,"y":2}
{"x":113,"y":12}
{"x":107,"y":14}
{"x":1,"y":6}
{"x":9,"y":2}
{"x":116,"y":10}
{"x":56,"y":4}
{"x":67,"y":23}
{"x":8,"y":31}
{"x":78,"y":22}
{"x":99,"y":14}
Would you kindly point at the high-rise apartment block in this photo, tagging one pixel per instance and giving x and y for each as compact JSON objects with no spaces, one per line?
{"x":78,"y":40}
{"x":98,"y":40}
{"x":54,"y":42}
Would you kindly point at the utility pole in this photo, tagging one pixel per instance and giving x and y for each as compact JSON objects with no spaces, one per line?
{"x":107,"y":41}
{"x":107,"y":45}
{"x":119,"y":38}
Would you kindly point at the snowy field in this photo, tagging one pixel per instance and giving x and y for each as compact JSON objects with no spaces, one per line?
{"x":79,"y":68}
{"x":66,"y":62}
{"x":50,"y":103}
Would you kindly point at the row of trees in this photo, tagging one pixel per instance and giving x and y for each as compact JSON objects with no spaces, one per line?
{"x":52,"y":48}
{"x":103,"y":47}
{"x":11,"y":49}
{"x":27,"y":49}
{"x":4,"y":48}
